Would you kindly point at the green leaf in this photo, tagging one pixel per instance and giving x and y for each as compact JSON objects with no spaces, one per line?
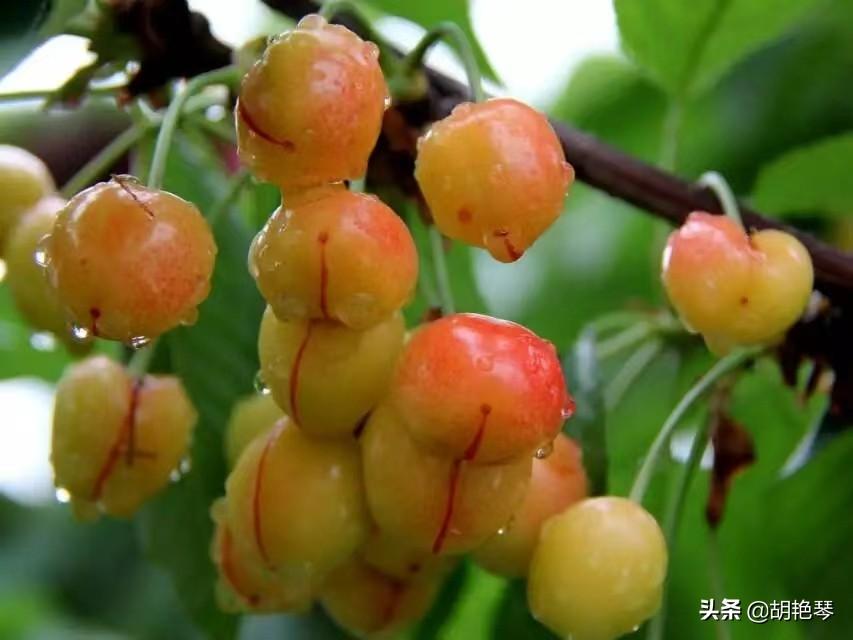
{"x":688,"y":46}
{"x":811,"y":179}
{"x":588,"y":425}
{"x":513,"y":618}
{"x":429,"y":14}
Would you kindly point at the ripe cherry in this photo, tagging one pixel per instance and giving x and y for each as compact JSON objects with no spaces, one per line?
{"x":556,"y":482}
{"x":325,"y":376}
{"x":244,"y":583}
{"x":734,"y":288}
{"x":432,"y":503}
{"x":598,"y":570}
{"x":494,"y":175}
{"x":333,"y":254}
{"x":24,"y":180}
{"x":369,"y":603}
{"x":298,"y":501}
{"x":250,"y":417}
{"x":130,"y":263}
{"x":472,"y":385}
{"x":34,"y":297}
{"x":116,"y":439}
{"x":310,"y":109}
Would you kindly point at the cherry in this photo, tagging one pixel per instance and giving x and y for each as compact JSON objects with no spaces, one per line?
{"x":24,"y":180}
{"x":34,"y":297}
{"x":598,"y":570}
{"x":494,"y":175}
{"x":117,"y":440}
{"x":333,"y":254}
{"x":556,"y":482}
{"x":250,"y":417}
{"x":244,"y":583}
{"x":307,"y":363}
{"x":471,"y":385}
{"x":298,"y":502}
{"x":128,"y":262}
{"x":310,"y":109}
{"x":432,"y":503}
{"x":734,"y":288}
{"x":369,"y":603}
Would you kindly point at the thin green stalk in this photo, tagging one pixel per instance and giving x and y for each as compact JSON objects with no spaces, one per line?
{"x":672,"y":515}
{"x":105,"y":159}
{"x":721,"y":368}
{"x":453,"y":34}
{"x":442,"y":277}
{"x":715,"y":568}
{"x":630,"y":371}
{"x":235,"y":186}
{"x":226,"y":75}
{"x":218,"y":129}
{"x":624,"y":339}
{"x":139,"y":362}
{"x":717,"y":183}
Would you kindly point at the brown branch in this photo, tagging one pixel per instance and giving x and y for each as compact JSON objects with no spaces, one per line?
{"x":660,"y":193}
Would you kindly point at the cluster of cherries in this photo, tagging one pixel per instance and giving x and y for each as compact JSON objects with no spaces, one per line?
{"x":377,"y":457}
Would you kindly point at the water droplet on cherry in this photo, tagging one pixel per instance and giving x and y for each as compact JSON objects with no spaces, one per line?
{"x":544,"y":451}
{"x":63,"y":496}
{"x":261,"y":384}
{"x":79,"y":333}
{"x":138,"y":342}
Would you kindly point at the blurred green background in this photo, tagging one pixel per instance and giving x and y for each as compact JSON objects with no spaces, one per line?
{"x":759,"y":91}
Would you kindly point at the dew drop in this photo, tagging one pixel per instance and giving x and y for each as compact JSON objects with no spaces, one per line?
{"x":41,"y":255}
{"x":568,"y":409}
{"x":501,"y":531}
{"x":43,"y":341}
{"x":186,"y":465}
{"x":190,"y":318}
{"x":545,"y":450}
{"x":261,"y":384}
{"x":387,"y":101}
{"x":137,"y":342}
{"x":174,"y":475}
{"x":3,"y":270}
{"x":63,"y":495}
{"x":79,"y":333}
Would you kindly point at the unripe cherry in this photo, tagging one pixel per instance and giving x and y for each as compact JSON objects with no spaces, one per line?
{"x":333,"y":254}
{"x":310,"y":109}
{"x":371,"y":604}
{"x":24,"y":180}
{"x":325,"y":376}
{"x":298,"y":502}
{"x":34,"y":297}
{"x":117,"y":440}
{"x":733,"y":288}
{"x":494,"y":175}
{"x":244,"y":584}
{"x":556,"y":482}
{"x":469,"y":382}
{"x":598,"y":570}
{"x":433,"y":503}
{"x":250,"y":417}
{"x":128,"y":262}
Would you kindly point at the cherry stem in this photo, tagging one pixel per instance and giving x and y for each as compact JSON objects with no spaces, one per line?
{"x":226,"y":75}
{"x":672,"y":515}
{"x":235,"y":188}
{"x":718,"y":184}
{"x":105,"y":158}
{"x":630,"y":371}
{"x":139,"y":362}
{"x":721,"y":368}
{"x":442,"y":275}
{"x":452,"y":34}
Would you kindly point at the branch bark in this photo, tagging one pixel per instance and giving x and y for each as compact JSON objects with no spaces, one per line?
{"x":660,"y":193}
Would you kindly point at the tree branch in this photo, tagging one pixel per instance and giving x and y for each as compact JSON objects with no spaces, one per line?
{"x":660,"y":193}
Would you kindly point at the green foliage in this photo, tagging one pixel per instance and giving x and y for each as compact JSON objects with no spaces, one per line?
{"x":687,"y":47}
{"x":811,"y":179}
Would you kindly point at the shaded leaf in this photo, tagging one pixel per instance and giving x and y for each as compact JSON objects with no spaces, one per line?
{"x":513,"y":619}
{"x":811,"y":179}
{"x":687,"y":47}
